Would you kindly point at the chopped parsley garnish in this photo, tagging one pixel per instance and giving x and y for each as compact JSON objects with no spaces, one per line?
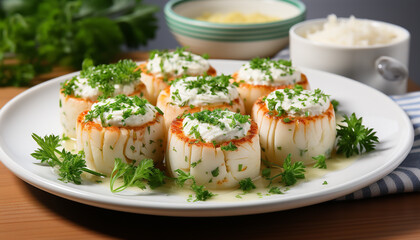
{"x":166,"y":55}
{"x":320,"y":162}
{"x":233,"y":122}
{"x":294,"y":101}
{"x":266,"y":65}
{"x":290,"y":172}
{"x":215,"y":172}
{"x":104,"y":77}
{"x":201,"y":194}
{"x":246,"y":185}
{"x":136,"y":176}
{"x":200,"y":85}
{"x":229,"y":147}
{"x":70,"y":166}
{"x":275,"y":190}
{"x":194,"y":164}
{"x":354,"y":137}
{"x":129,"y":105}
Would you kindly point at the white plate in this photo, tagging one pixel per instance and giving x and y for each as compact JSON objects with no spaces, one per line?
{"x":36,"y":111}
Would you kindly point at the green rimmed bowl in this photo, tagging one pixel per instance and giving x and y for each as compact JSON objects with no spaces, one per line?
{"x":233,"y":41}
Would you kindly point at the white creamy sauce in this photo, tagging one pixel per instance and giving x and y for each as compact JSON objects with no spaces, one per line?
{"x":273,"y":76}
{"x":305,"y":103}
{"x":84,"y":90}
{"x":173,"y":64}
{"x":115,"y":117}
{"x":181,"y":95}
{"x":210,"y":133}
{"x":235,"y":194}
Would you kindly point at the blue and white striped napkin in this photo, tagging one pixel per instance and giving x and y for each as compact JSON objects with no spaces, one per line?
{"x":406,"y":177}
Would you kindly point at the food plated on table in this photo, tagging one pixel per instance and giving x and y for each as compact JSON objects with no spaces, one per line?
{"x":273,"y":189}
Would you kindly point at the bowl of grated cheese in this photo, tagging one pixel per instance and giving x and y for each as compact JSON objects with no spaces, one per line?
{"x":234,"y":29}
{"x":373,"y":52}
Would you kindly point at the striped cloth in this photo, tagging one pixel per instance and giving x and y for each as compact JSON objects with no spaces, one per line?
{"x":406,"y":177}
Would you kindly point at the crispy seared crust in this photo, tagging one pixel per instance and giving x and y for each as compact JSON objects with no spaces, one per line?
{"x":251,"y":92}
{"x":261,"y":106}
{"x":172,"y":111}
{"x":302,"y":137}
{"x":201,"y":159}
{"x":103,"y":144}
{"x":177,"y":129}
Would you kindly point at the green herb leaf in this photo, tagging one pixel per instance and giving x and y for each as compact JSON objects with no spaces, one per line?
{"x":354,"y":137}
{"x":320,"y":162}
{"x":246,"y":185}
{"x":291,"y":172}
{"x":136,"y":176}
{"x":201,"y":194}
{"x":70,"y":166}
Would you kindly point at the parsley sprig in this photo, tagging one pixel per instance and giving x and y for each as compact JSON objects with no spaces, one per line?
{"x":290,"y":172}
{"x":70,"y":166}
{"x":136,"y":176}
{"x":320,"y":161}
{"x":354,"y":138}
{"x":201,"y":194}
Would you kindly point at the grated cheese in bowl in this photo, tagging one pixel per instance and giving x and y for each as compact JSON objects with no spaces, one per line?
{"x":353,"y":32}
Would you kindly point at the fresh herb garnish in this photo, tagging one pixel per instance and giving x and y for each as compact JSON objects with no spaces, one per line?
{"x":294,"y":101}
{"x":231,"y":121}
{"x":104,"y":77}
{"x":70,"y":166}
{"x":354,"y":137}
{"x":129,"y":105}
{"x":320,"y":162}
{"x":182,"y":56}
{"x":290,"y":172}
{"x":275,"y":190}
{"x":37,"y":35}
{"x":266,"y":65}
{"x":201,"y":194}
{"x":201,"y":85}
{"x":246,"y":185}
{"x":229,"y":147}
{"x":136,"y":176}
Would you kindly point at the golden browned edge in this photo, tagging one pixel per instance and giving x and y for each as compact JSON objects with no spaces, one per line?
{"x":303,"y":82}
{"x":299,"y":120}
{"x":143,"y":68}
{"x":177,"y":129}
{"x":92,"y":125}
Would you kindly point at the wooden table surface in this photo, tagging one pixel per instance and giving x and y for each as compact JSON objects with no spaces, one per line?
{"x":29,"y":213}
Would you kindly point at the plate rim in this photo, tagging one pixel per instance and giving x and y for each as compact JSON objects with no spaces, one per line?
{"x":199,"y":208}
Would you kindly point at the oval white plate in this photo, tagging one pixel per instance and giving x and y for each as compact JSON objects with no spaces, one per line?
{"x":36,"y":111}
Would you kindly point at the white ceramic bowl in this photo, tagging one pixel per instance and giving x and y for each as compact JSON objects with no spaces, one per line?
{"x":233,"y":41}
{"x":383,"y":67}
